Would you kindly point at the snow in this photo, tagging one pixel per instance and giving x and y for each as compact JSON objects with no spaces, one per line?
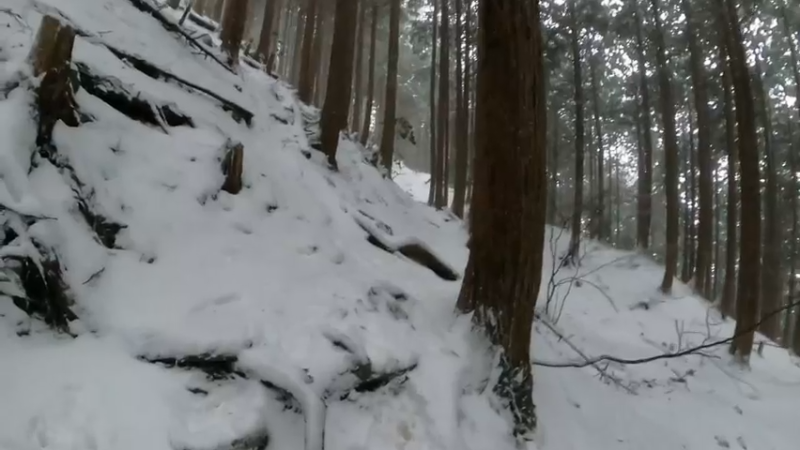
{"x":277,"y":274}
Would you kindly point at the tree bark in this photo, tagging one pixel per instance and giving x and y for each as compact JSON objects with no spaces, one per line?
{"x":370,"y":75}
{"x":459,"y":191}
{"x":358,"y":83}
{"x":750,"y":242}
{"x":337,"y":99}
{"x":577,"y":212}
{"x":670,"y":154}
{"x":508,"y":205}
{"x":434,"y":156}
{"x":443,"y":121}
{"x":600,"y":231}
{"x":234,"y":23}
{"x":390,"y":112}
{"x":771,"y":275}
{"x":644,"y":208}
{"x":706,"y":201}
{"x":306,"y":76}
{"x":265,"y":41}
{"x":728,"y":303}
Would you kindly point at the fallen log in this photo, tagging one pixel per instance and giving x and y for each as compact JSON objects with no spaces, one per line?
{"x":146,"y":7}
{"x":134,"y":105}
{"x":237,"y":112}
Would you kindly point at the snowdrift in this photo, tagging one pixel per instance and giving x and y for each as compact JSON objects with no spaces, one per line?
{"x":311,"y":309}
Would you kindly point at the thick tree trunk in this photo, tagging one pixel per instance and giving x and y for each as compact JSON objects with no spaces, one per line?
{"x":750,"y":242}
{"x":460,"y":186}
{"x":390,"y":111}
{"x":443,"y":120}
{"x":337,"y":100}
{"x":318,"y":63}
{"x":234,"y":22}
{"x":434,"y":156}
{"x":306,"y":76}
{"x":644,"y":201}
{"x":670,"y":154}
{"x":577,"y":212}
{"x":370,"y":76}
{"x":792,"y":192}
{"x":508,"y":205}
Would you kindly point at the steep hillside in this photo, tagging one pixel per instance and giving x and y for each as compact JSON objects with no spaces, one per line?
{"x":312,"y":309}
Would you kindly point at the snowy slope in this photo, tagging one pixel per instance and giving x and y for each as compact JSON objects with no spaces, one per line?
{"x":283,"y":278}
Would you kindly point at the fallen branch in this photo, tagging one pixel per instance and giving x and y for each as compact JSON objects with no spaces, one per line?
{"x":601,"y":370}
{"x":689,"y":351}
{"x":151,"y":70}
{"x":146,"y":7}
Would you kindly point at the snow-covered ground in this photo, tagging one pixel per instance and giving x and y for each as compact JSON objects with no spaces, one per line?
{"x":283,"y":278}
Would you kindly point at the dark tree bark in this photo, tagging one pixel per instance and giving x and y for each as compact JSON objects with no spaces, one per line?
{"x":796,"y":73}
{"x":771,"y":275}
{"x":337,"y":100}
{"x":265,"y":41}
{"x":443,"y":120}
{"x":599,"y":231}
{"x":792,"y":192}
{"x":728,"y":303}
{"x":670,"y":153}
{"x":358,"y":83}
{"x":644,"y":201}
{"x":706,"y":201}
{"x":577,"y":213}
{"x":318,"y":62}
{"x":234,"y":22}
{"x":306,"y":76}
{"x":750,"y":242}
{"x":370,"y":76}
{"x":434,"y":156}
{"x":390,"y":113}
{"x":459,"y":190}
{"x":508,"y":205}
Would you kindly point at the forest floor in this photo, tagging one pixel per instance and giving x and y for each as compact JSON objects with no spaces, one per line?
{"x":287,"y":316}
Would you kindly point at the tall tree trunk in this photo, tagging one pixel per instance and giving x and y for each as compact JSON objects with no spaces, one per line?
{"x":265,"y":41}
{"x":600,"y":231}
{"x":370,"y":75}
{"x":390,"y":116}
{"x":644,"y":201}
{"x":718,"y":261}
{"x":443,"y":121}
{"x":728,"y":303}
{"x":670,"y":154}
{"x":319,"y":62}
{"x":358,"y":76}
{"x":552,"y":171}
{"x":234,"y":22}
{"x":750,"y":242}
{"x":792,"y":192}
{"x":706,"y":216}
{"x":434,"y":184}
{"x":337,"y":100}
{"x":771,"y":276}
{"x":297,"y":58}
{"x":460,"y":187}
{"x":508,"y":205}
{"x":577,"y":212}
{"x":306,"y":77}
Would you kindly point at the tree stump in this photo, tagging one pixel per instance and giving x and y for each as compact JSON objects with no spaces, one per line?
{"x":51,"y":56}
{"x":232,"y":168}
